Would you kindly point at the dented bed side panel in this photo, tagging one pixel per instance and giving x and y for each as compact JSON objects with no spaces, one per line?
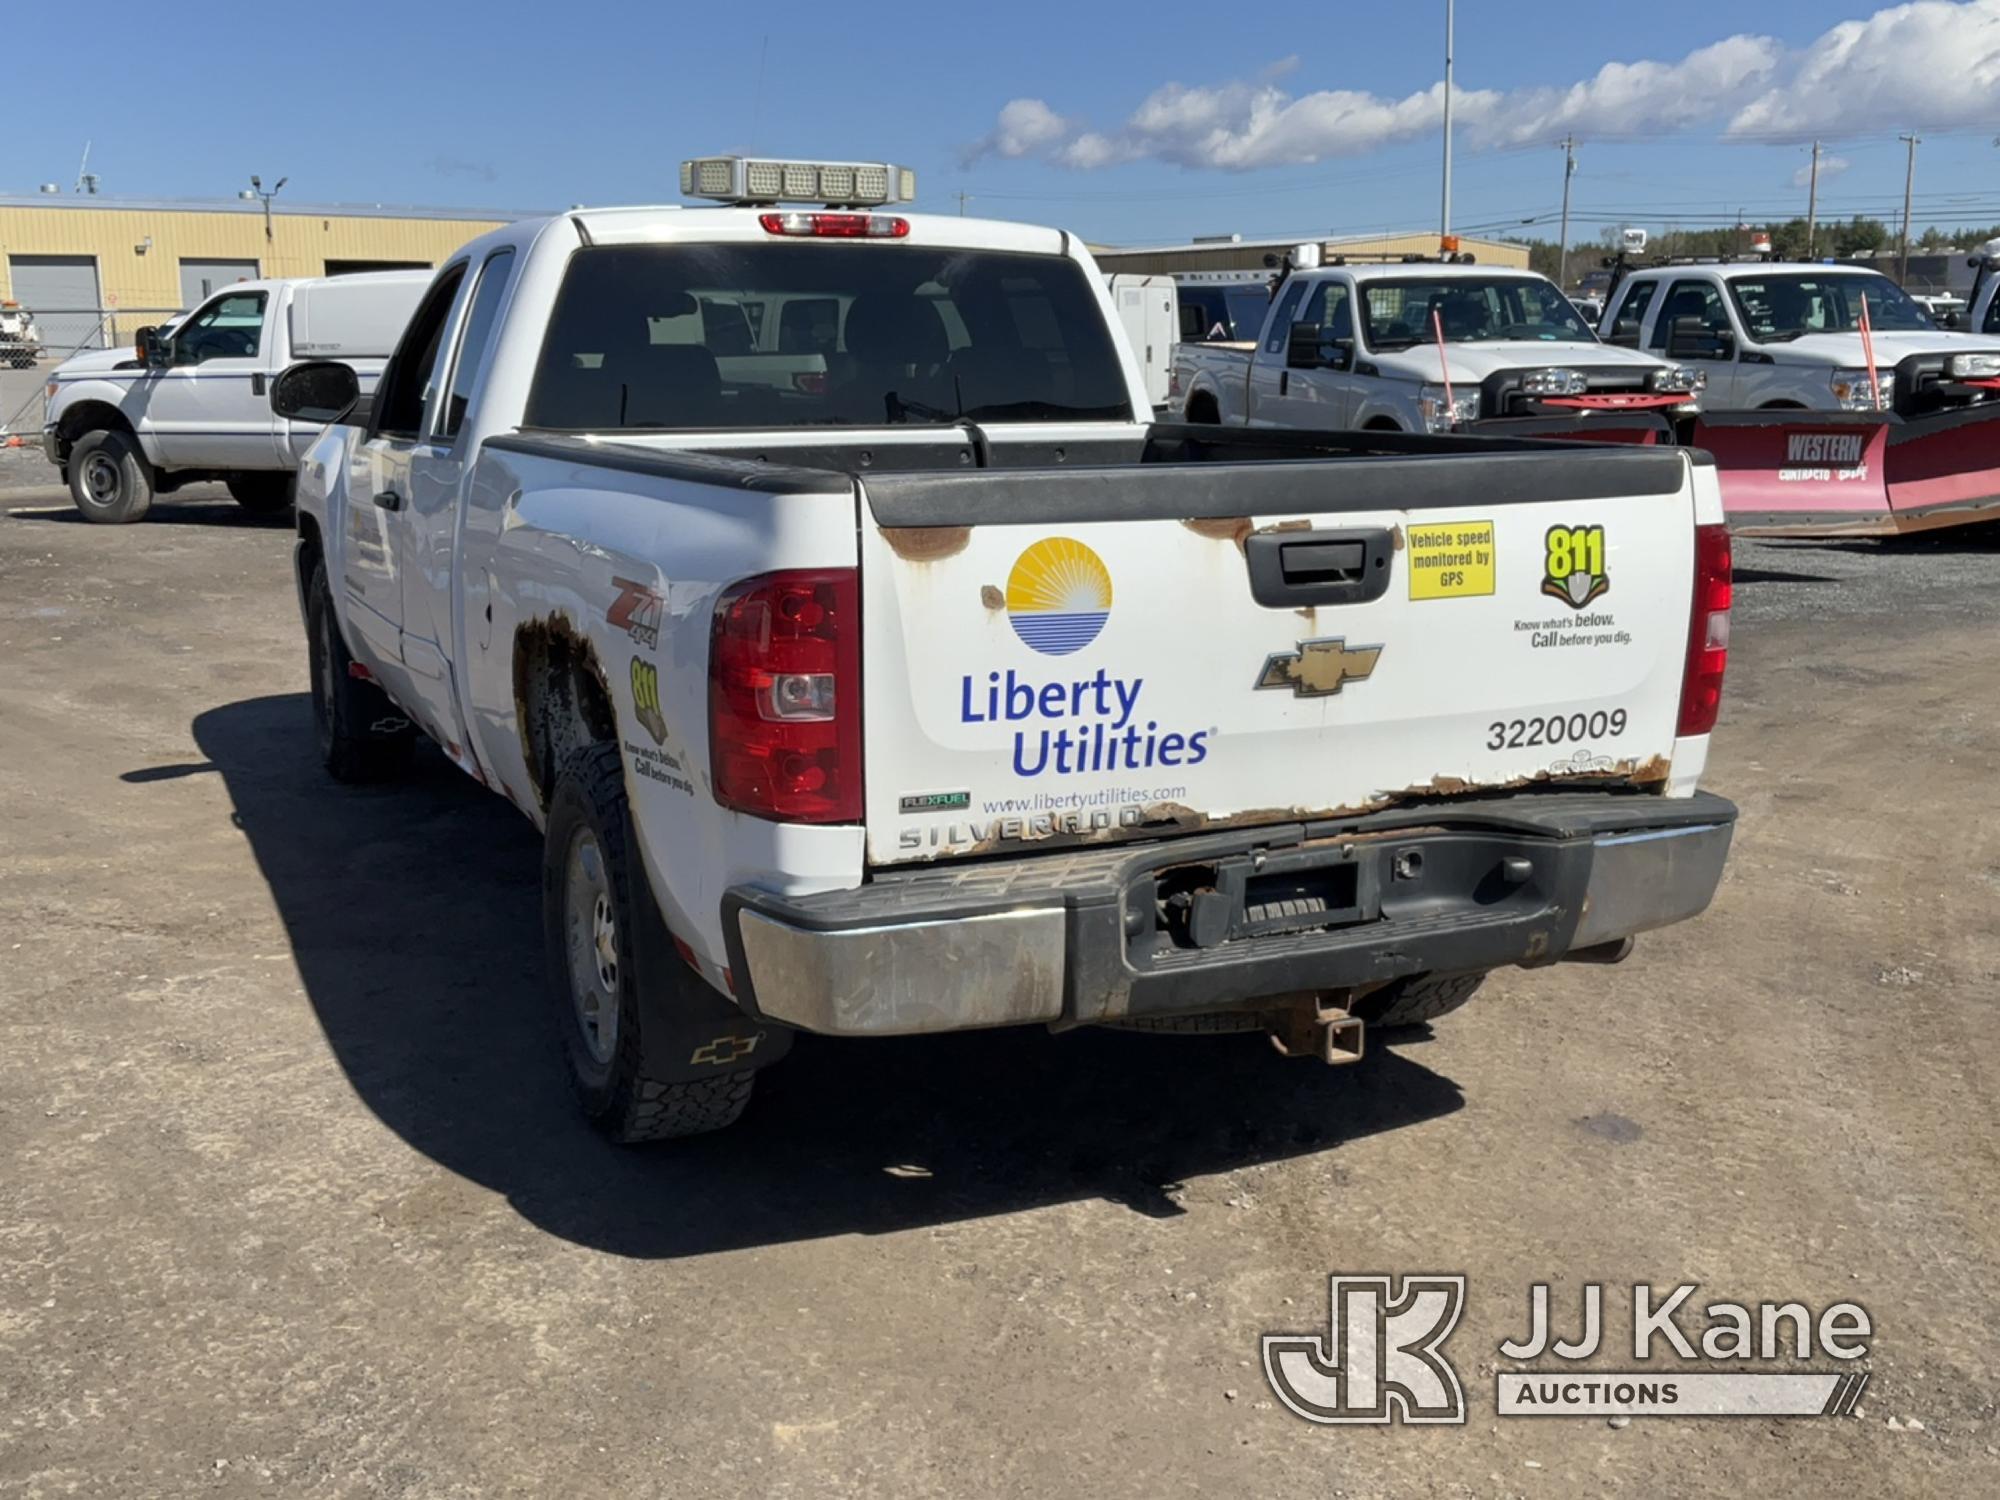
{"x":621,"y":567}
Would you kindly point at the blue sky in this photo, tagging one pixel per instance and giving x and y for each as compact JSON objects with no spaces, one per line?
{"x":1286,"y":119}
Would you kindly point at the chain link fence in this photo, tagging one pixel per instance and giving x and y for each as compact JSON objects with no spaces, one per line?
{"x":34,"y":341}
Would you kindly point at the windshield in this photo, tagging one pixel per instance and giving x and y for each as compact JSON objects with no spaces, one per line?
{"x":1472,"y":309}
{"x":805,"y":334}
{"x":1777,"y":308}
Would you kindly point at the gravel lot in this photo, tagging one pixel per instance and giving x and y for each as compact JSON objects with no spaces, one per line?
{"x":292,"y":1202}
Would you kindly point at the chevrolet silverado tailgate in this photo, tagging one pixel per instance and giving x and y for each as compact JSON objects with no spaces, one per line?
{"x":1062,"y":655}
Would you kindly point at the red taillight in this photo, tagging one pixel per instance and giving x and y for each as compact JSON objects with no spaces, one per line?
{"x":1708,"y":632}
{"x":837,"y":226}
{"x":784,"y":697}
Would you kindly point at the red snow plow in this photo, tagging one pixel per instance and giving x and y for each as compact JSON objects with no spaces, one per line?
{"x":1806,"y":474}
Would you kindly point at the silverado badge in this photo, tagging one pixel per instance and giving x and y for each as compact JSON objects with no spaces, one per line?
{"x":1318,"y":668}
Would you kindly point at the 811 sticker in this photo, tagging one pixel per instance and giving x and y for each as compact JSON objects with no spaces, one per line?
{"x":1573,"y":565}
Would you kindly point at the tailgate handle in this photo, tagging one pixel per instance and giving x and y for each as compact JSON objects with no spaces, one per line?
{"x":1290,"y":568}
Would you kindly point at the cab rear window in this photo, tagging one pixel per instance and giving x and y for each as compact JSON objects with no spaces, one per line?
{"x":780,"y":335}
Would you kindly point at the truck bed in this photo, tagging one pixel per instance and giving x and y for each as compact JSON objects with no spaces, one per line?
{"x":1213,"y":604}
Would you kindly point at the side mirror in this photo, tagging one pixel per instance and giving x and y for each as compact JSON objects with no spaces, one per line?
{"x":319,"y":390}
{"x":155,"y":352}
{"x":1691,"y":338}
{"x":1954,"y":319}
{"x":1302,"y":347}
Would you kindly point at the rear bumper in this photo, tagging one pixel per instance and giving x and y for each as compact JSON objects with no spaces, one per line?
{"x":1211,"y":921}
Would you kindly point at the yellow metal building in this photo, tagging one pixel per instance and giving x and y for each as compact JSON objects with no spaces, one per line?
{"x":94,"y":269}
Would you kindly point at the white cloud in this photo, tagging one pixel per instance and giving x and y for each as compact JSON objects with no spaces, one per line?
{"x":1829,"y":166}
{"x":1930,"y":63}
{"x":1025,"y":127}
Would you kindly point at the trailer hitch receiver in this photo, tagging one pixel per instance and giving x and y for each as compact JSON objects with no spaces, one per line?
{"x":1312,"y":1026}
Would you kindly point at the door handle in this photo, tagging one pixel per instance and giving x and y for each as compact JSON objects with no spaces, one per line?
{"x":1290,"y":568}
{"x":1284,"y":382}
{"x":389,"y":500}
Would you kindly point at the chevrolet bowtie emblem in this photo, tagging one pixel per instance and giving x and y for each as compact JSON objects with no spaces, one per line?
{"x":1318,"y":668}
{"x":726,"y":1049}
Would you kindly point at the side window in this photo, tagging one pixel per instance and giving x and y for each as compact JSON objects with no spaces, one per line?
{"x":1992,"y":323}
{"x":1631,"y":317}
{"x":230,"y":327}
{"x":1284,"y":317}
{"x":399,"y":399}
{"x":479,"y":323}
{"x":1689,"y":299}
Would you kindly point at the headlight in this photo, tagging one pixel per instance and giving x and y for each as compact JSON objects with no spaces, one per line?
{"x":1852,"y":390}
{"x":1680,"y":379}
{"x":1973,"y":366}
{"x":1555,"y":383}
{"x":1440,"y":416}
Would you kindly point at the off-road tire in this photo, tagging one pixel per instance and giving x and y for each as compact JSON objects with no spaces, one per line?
{"x":363,"y":736}
{"x":109,"y":478}
{"x":1419,"y":998}
{"x":261,"y":494}
{"x":615,"y":1094}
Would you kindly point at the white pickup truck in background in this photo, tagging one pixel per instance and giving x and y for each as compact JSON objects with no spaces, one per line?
{"x":1773,"y":335}
{"x":192,"y":401}
{"x":943,"y":690}
{"x":1357,"y":346}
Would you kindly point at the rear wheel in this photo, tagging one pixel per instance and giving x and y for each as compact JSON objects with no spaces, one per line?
{"x":109,"y":478}
{"x":261,"y":494}
{"x":1419,"y":998}
{"x":362,"y":735}
{"x":608,"y":951}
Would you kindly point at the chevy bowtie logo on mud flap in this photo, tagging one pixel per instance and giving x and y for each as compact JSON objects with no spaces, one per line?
{"x":726,"y":1049}
{"x":1318,"y":669}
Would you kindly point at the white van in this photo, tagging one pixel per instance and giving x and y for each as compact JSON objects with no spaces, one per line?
{"x":192,"y":401}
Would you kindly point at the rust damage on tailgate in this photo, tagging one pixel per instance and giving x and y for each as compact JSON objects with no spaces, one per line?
{"x":991,"y":597}
{"x":1178,"y":817}
{"x":1221,"y":528}
{"x":924,"y":544}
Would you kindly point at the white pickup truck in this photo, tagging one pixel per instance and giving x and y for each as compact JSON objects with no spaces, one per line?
{"x":1358,"y":346}
{"x":192,"y":401}
{"x":1773,"y":335}
{"x":942,"y":690}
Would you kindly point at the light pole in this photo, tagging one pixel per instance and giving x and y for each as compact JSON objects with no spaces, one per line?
{"x":1909,"y":177}
{"x":257,"y":188}
{"x":1812,"y":203}
{"x":1444,"y":212}
{"x":1568,"y":143}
